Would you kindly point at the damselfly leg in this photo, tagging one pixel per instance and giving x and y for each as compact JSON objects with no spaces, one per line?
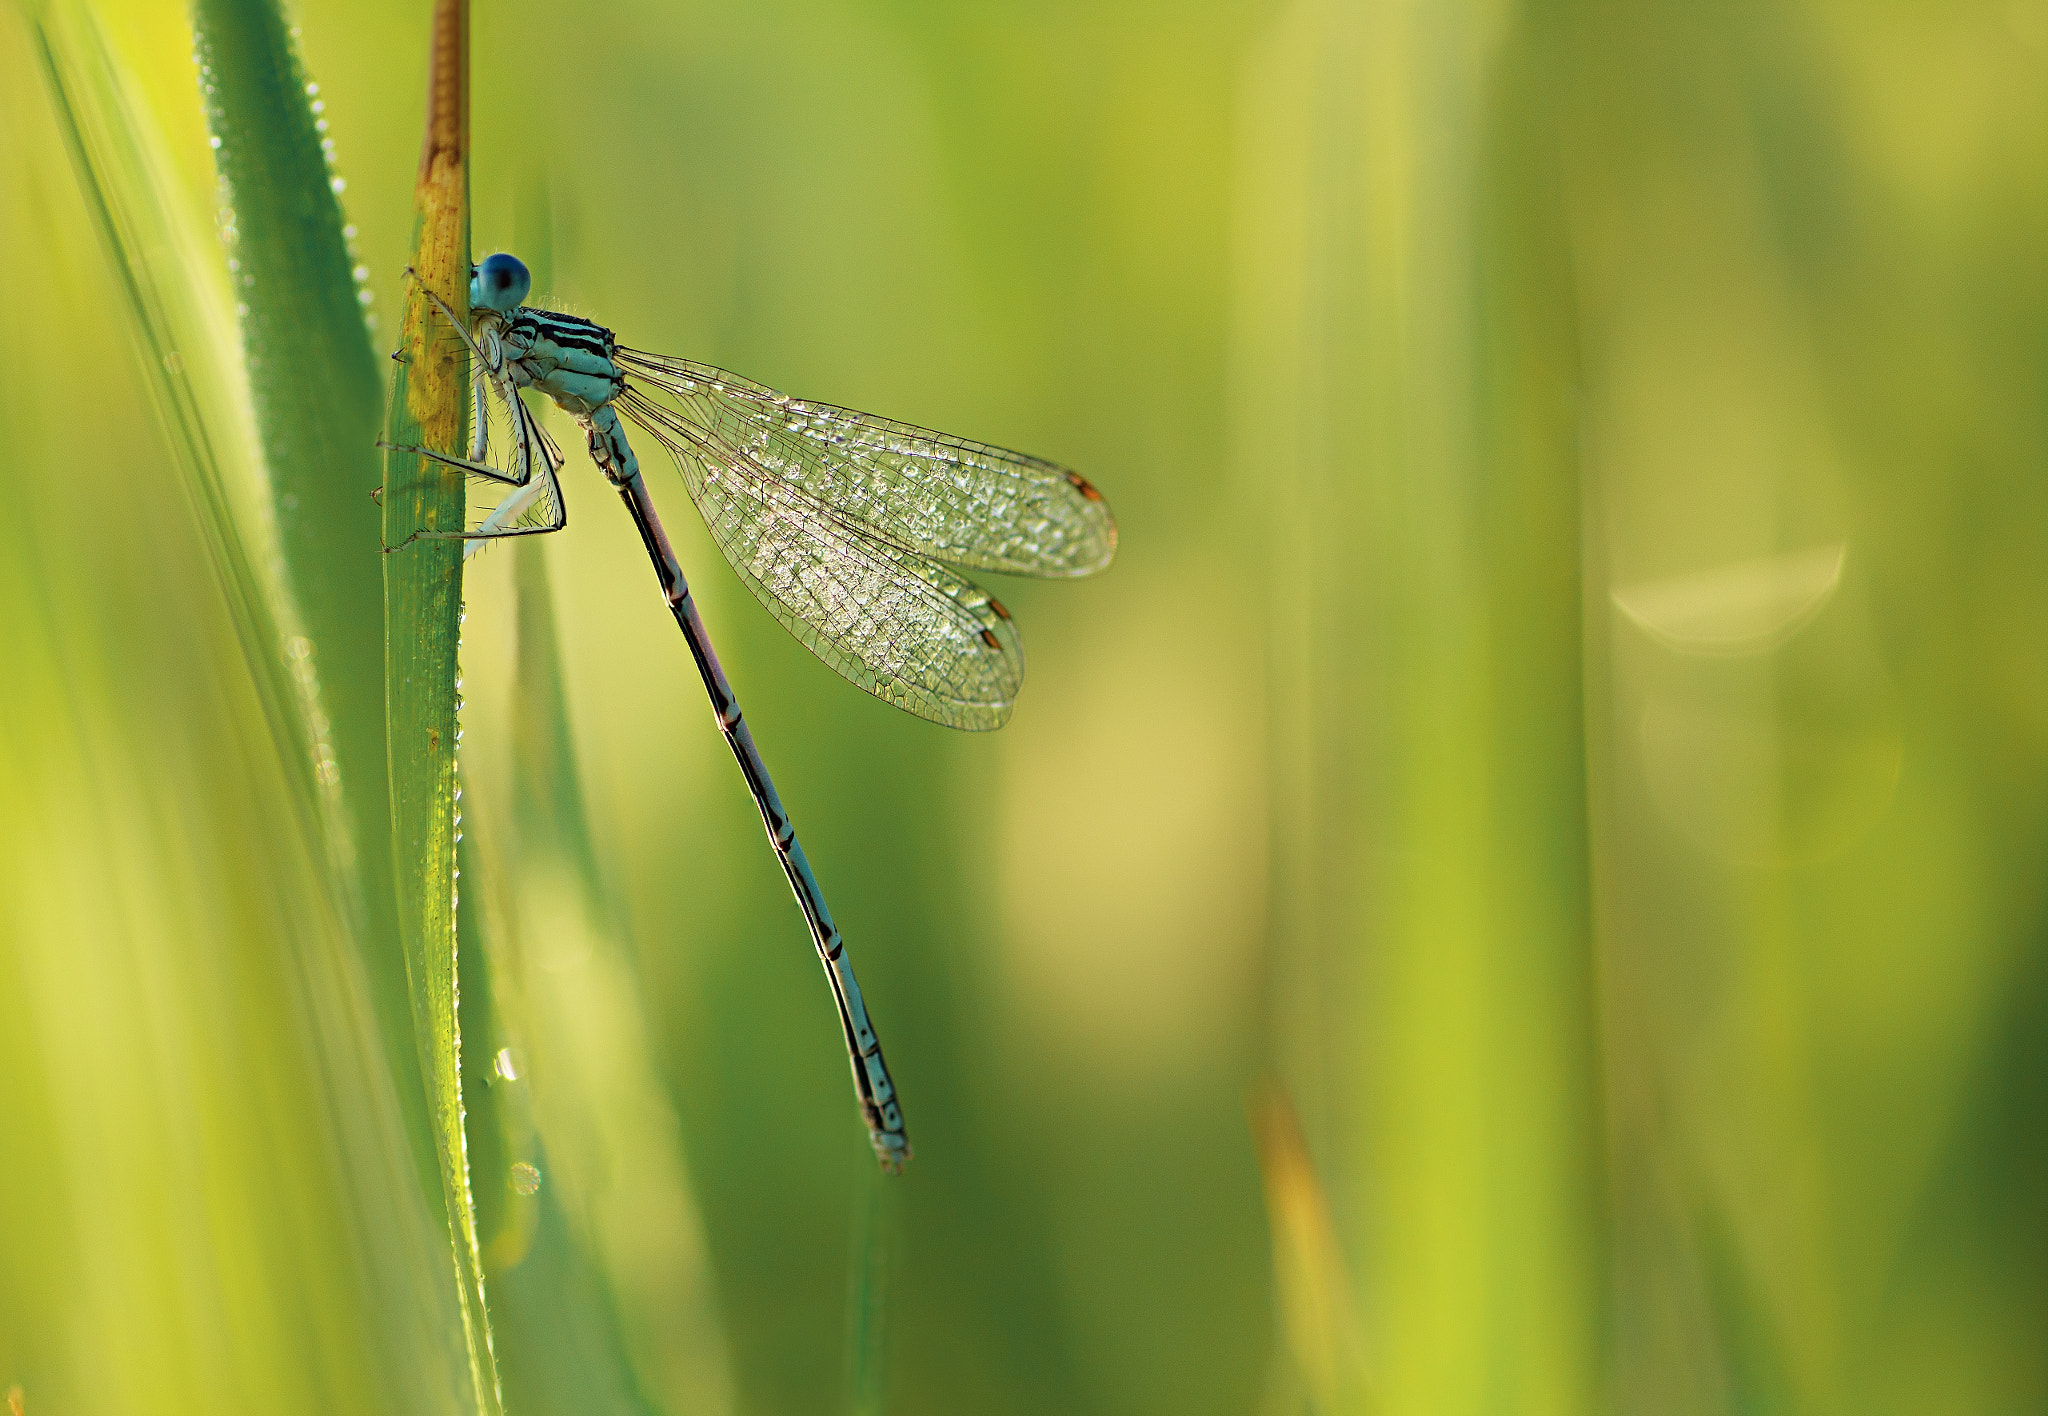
{"x":536,"y":507}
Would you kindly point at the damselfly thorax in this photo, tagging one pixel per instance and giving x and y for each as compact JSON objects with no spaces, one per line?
{"x":852,"y":530}
{"x":566,"y":358}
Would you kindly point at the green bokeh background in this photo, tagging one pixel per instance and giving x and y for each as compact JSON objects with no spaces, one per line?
{"x":1569,"y":708}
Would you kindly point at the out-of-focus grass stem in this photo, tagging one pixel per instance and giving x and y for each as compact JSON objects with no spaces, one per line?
{"x":867,"y":1298}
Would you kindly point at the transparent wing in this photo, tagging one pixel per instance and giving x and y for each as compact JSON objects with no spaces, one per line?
{"x":911,"y":632}
{"x":957,"y":501}
{"x":533,"y":505}
{"x":494,"y":425}
{"x":532,"y":509}
{"x":518,"y":453}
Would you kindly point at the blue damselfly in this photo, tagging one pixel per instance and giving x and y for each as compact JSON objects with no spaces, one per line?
{"x":852,"y":530}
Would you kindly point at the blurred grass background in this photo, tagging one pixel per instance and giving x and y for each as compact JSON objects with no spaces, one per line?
{"x":1568,"y":706}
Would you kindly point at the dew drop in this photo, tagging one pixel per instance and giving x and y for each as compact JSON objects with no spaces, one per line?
{"x":525,"y":1178}
{"x":506,"y":1065}
{"x":339,"y":184}
{"x":214,"y":142}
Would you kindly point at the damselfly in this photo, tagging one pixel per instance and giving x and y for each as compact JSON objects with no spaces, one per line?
{"x":851,"y":529}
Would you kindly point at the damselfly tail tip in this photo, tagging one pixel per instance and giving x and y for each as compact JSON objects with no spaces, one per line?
{"x":892,"y":1149}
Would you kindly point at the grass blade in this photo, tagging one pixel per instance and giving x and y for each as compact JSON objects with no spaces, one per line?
{"x":302,"y":330}
{"x":1317,"y":1317}
{"x":559,"y":1323}
{"x":422,"y":619}
{"x":866,"y":1300}
{"x":1432,"y":520}
{"x":611,"y":1282}
{"x":111,"y":171}
{"x":337,"y":1248}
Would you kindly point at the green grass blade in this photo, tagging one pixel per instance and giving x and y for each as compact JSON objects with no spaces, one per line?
{"x":1431,"y":511}
{"x":111,"y":168}
{"x":559,"y":1326}
{"x":613,"y":1282}
{"x":422,"y":620}
{"x":866,"y":1300}
{"x":324,"y":1296}
{"x":303,"y":333}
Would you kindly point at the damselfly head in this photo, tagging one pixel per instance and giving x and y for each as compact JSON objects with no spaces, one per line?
{"x":500,"y":284}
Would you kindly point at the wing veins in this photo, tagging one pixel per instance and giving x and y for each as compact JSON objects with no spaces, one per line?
{"x":952,"y":499}
{"x":955,"y":643}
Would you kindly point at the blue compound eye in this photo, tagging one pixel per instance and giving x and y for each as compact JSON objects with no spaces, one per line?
{"x":501,"y":283}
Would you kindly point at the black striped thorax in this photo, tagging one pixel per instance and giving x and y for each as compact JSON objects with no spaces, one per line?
{"x":567,"y":358}
{"x":547,"y":333}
